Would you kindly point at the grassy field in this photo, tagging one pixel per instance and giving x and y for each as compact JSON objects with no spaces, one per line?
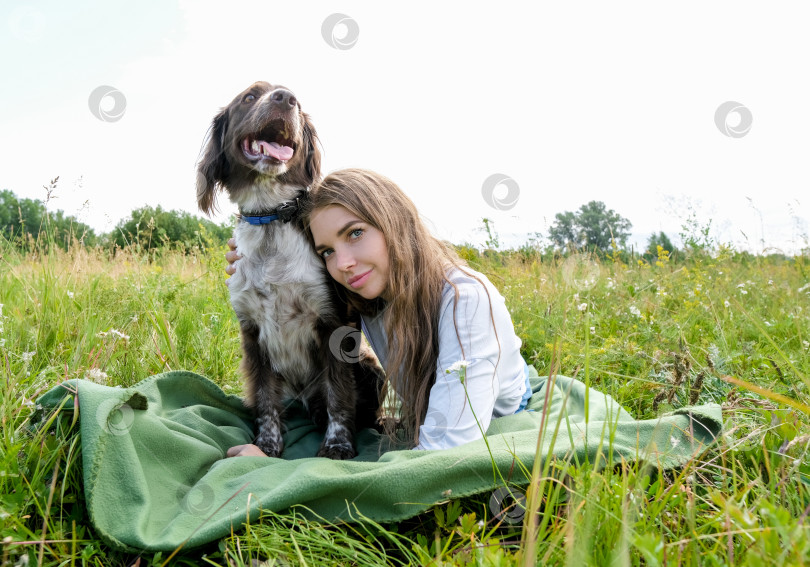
{"x":726,"y":328}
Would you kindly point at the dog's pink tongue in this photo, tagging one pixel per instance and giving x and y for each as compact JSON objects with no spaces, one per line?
{"x":281,"y":153}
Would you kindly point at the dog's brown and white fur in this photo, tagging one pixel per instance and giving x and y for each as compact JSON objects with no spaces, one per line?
{"x":262,"y":149}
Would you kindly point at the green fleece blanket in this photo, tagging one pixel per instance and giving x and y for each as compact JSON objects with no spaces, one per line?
{"x":156,"y":478}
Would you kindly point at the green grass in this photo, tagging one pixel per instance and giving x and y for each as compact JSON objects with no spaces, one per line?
{"x":656,"y":337}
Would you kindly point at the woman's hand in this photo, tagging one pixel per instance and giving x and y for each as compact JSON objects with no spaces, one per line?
{"x":245,"y":451}
{"x":231,"y":257}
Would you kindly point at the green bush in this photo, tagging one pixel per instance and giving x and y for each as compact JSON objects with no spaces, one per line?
{"x":149,"y":228}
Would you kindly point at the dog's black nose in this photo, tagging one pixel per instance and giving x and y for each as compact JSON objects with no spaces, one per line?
{"x":284,"y":98}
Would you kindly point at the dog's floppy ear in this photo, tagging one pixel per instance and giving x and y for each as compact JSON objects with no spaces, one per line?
{"x":312,"y":164}
{"x":213,"y":165}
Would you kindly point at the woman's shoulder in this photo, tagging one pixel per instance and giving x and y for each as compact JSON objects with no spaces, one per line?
{"x":467,"y":284}
{"x":471,"y":307}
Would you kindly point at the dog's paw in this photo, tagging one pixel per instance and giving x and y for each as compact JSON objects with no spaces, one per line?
{"x":337,"y":451}
{"x":269,"y":448}
{"x":269,"y":438}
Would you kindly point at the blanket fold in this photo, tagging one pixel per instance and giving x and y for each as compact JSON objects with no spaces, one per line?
{"x":156,"y":476}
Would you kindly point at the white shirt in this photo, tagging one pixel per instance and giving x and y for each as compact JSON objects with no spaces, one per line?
{"x":454,"y":416}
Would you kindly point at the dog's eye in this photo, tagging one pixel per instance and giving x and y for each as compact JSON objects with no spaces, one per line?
{"x":249,"y":98}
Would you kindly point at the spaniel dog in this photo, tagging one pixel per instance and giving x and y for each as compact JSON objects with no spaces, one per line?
{"x":262,"y":149}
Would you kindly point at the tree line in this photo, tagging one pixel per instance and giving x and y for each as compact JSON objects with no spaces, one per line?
{"x":23,"y":222}
{"x":26,"y":223}
{"x":593,"y":228}
{"x":600,"y":230}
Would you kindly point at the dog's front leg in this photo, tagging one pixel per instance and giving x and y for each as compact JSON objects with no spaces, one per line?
{"x":338,"y":443}
{"x":264,"y":392}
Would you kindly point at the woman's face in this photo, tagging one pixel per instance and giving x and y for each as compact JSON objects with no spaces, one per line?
{"x":355,"y":252}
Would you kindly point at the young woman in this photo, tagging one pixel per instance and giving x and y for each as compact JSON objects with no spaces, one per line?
{"x":440,"y":329}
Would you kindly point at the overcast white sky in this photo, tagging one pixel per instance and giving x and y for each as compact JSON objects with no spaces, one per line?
{"x":574,"y":101}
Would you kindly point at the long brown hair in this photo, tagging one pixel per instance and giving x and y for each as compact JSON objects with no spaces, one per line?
{"x":418,"y":267}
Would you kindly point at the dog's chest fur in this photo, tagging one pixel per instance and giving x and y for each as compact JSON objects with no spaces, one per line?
{"x":280,"y":287}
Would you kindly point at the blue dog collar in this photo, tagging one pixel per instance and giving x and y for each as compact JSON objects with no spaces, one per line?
{"x":285,"y":212}
{"x":260,"y":220}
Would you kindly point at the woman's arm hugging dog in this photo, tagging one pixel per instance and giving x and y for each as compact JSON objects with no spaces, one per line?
{"x":263,"y":151}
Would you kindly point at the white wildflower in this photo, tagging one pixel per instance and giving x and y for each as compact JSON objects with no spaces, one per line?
{"x":770,"y":282}
{"x":806,"y":344}
{"x":635,"y":311}
{"x":742,"y":291}
{"x":115,"y":333}
{"x":800,"y":290}
{"x":96,"y":375}
{"x":28,"y":356}
{"x":726,"y":303}
{"x":593,"y":330}
{"x":742,"y":285}
{"x":457,"y":366}
{"x":70,"y":294}
{"x":460,"y":368}
{"x":582,"y":306}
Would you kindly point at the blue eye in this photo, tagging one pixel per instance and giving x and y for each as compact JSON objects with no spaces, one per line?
{"x":355,"y":232}
{"x":326,"y":253}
